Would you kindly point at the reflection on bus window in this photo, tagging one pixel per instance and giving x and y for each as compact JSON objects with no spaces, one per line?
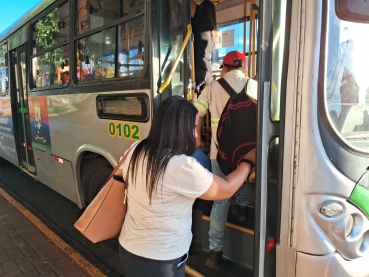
{"x":4,"y":83}
{"x":130,"y":47}
{"x":49,"y":68}
{"x":52,"y":29}
{"x":96,"y":13}
{"x":98,"y":60}
{"x":347,"y":82}
{"x":172,"y":28}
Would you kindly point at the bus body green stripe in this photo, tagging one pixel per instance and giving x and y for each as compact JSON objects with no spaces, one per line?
{"x":201,"y":106}
{"x":360,"y":196}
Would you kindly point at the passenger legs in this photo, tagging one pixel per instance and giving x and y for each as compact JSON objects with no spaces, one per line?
{"x":218,"y":219}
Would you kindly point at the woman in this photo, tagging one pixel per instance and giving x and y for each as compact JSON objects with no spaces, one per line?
{"x":204,"y":28}
{"x":163,"y":183}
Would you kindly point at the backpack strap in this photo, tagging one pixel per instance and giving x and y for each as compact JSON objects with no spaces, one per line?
{"x":227,"y":87}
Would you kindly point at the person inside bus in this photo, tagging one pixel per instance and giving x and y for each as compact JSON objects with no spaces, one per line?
{"x":214,"y":97}
{"x":163,"y":183}
{"x":204,"y":28}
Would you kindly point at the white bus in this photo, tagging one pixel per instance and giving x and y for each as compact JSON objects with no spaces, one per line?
{"x":80,"y":79}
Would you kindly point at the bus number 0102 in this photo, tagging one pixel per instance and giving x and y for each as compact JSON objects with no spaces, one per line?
{"x":126,"y":130}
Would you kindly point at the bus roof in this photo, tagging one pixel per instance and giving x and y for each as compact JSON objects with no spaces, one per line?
{"x":40,"y":6}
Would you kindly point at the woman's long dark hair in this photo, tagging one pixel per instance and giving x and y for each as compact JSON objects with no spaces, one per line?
{"x":172,"y":133}
{"x":209,"y":8}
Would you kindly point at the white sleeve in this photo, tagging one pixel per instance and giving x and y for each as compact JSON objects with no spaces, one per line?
{"x":193,"y":179}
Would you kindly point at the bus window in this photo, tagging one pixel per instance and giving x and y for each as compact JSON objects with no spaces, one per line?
{"x":47,"y":68}
{"x":116,"y":51}
{"x":99,"y":56}
{"x":51,"y":32}
{"x":172,"y":28}
{"x":130,"y":47}
{"x":347,"y":83}
{"x":230,"y":38}
{"x":3,"y":70}
{"x":52,"y":29}
{"x":96,"y":13}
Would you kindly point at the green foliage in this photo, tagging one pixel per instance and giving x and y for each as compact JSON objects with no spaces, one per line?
{"x":47,"y":31}
{"x":2,"y":55}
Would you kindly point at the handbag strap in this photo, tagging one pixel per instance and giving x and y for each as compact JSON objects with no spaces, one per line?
{"x":120,"y":164}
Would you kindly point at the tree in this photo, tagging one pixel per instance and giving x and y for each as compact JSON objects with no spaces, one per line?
{"x":47,"y":32}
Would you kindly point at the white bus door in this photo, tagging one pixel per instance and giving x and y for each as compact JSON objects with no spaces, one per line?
{"x":22,"y":130}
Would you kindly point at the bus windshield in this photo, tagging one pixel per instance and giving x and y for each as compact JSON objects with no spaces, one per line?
{"x":347,"y":82}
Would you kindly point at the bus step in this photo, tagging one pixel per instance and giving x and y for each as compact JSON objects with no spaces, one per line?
{"x":232,"y":225}
{"x":231,"y":269}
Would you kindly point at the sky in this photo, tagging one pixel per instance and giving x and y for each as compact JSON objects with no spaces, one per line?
{"x":11,"y":10}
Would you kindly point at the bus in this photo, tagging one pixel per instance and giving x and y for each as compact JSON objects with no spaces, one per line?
{"x":80,"y":80}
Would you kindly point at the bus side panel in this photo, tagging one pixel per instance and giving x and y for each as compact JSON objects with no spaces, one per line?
{"x":8,"y":149}
{"x":74,"y":122}
{"x":70,"y":122}
{"x":56,"y":174}
{"x":332,"y":265}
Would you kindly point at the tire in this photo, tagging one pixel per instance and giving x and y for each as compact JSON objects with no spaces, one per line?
{"x":98,"y":180}
{"x":94,"y":174}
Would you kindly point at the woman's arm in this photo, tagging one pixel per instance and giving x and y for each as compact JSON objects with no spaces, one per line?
{"x":225,"y":188}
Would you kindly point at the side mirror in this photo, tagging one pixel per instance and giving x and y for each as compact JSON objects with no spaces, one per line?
{"x":353,"y":10}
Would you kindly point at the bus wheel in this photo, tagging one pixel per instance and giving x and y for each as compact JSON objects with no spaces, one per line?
{"x":98,"y":180}
{"x":95,"y":170}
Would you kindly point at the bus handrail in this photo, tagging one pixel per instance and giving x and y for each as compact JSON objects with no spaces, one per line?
{"x":174,"y":67}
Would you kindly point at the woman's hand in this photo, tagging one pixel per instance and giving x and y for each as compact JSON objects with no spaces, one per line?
{"x":224,"y":188}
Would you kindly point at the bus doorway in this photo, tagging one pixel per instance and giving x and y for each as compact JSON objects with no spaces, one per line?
{"x":22,"y":128}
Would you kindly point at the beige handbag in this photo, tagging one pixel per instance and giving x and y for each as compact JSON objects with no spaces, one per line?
{"x":104,"y":217}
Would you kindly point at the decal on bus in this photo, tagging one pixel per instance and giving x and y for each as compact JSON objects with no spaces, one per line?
{"x":6,"y":120}
{"x":124,"y":130}
{"x":39,"y":117}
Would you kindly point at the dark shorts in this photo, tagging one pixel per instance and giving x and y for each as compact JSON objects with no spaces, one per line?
{"x":136,"y":266}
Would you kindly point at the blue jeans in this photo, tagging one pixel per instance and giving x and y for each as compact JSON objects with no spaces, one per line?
{"x":219,"y":211}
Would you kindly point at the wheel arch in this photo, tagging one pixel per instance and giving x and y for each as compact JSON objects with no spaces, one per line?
{"x":77,"y":166}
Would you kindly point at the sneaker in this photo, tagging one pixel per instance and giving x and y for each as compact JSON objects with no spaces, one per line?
{"x":215,"y":261}
{"x":240,"y":212}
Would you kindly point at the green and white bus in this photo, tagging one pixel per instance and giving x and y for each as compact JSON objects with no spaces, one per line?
{"x":80,"y":79}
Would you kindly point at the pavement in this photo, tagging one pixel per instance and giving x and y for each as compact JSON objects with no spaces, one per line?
{"x":26,"y":251}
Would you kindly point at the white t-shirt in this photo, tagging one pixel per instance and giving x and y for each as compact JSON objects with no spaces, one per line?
{"x":162,"y":230}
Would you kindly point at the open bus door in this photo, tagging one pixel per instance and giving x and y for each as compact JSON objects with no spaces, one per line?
{"x":274,"y":21}
{"x":22,"y":129}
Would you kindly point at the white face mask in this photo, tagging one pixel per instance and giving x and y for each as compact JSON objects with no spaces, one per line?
{"x":196,"y":133}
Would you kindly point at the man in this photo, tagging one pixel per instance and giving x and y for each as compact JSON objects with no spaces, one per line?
{"x":214,"y":97}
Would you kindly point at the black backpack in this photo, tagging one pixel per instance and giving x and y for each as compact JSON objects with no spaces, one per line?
{"x":237,"y":128}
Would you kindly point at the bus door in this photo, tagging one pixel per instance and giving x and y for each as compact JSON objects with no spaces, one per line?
{"x":22,"y":130}
{"x":272,"y":70}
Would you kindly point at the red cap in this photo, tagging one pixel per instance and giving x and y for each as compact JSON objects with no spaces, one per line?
{"x":230,"y":57}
